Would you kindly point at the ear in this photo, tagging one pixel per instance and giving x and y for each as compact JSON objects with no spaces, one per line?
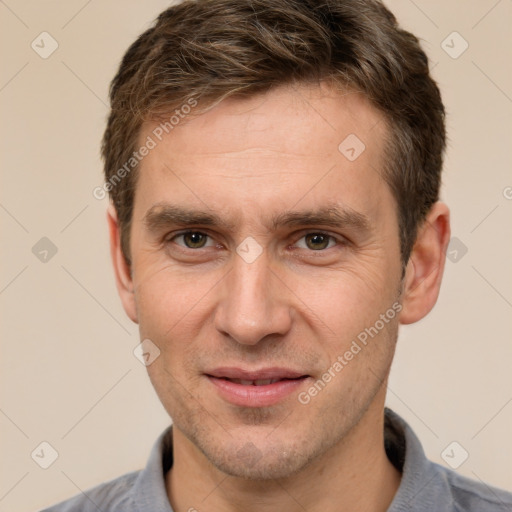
{"x":425,"y":267}
{"x":122,"y":270}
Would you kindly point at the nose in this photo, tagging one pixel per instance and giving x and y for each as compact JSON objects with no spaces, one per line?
{"x":253,"y":303}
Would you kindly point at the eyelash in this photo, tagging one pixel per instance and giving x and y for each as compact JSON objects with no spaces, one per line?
{"x":339,"y":241}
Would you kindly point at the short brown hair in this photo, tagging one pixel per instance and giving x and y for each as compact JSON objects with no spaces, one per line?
{"x":212,"y":49}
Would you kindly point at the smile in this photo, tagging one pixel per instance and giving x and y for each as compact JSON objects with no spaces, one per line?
{"x":261,"y":388}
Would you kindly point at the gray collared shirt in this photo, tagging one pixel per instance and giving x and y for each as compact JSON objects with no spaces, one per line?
{"x":425,"y":486}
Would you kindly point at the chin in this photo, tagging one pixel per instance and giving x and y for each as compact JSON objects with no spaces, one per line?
{"x":260,"y":461}
{"x":267,"y":468}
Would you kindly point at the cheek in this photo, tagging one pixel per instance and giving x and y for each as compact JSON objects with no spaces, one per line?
{"x":168,"y":297}
{"x":341,"y":302}
{"x":174,"y":310}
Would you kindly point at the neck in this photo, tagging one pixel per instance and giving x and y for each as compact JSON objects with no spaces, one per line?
{"x":354,"y":475}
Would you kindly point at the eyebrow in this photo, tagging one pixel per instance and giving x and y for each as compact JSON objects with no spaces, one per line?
{"x":163,"y":215}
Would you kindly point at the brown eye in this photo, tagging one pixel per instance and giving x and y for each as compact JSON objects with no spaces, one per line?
{"x":317,"y":241}
{"x":194,"y":239}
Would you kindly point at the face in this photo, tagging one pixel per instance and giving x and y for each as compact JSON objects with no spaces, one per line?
{"x":261,"y":251}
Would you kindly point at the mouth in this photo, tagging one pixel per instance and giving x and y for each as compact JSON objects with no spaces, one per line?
{"x":258,"y":382}
{"x":259,"y":388}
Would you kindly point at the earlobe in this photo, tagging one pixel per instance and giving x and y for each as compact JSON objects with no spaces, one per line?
{"x":425,"y":267}
{"x":122,"y":269}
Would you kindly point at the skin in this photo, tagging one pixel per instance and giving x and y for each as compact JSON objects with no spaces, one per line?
{"x":300,"y":304}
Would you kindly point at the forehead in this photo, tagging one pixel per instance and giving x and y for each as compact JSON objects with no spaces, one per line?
{"x":287,"y":119}
{"x":292,"y":147}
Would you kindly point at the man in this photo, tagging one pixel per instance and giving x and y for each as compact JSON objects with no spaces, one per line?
{"x":274,"y":170}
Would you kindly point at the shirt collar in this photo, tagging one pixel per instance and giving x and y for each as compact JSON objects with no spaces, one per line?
{"x":148,"y":491}
{"x":419,"y":475}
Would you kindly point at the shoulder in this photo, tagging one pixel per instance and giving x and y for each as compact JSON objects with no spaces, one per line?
{"x":143,"y":489}
{"x":107,"y":497}
{"x":426,"y":485}
{"x":472,"y":495}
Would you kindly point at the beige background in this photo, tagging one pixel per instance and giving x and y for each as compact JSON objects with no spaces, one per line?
{"x":69,"y":376}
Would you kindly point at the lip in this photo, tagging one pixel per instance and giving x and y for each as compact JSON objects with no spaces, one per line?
{"x":249,"y":395}
{"x":264,"y":373}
